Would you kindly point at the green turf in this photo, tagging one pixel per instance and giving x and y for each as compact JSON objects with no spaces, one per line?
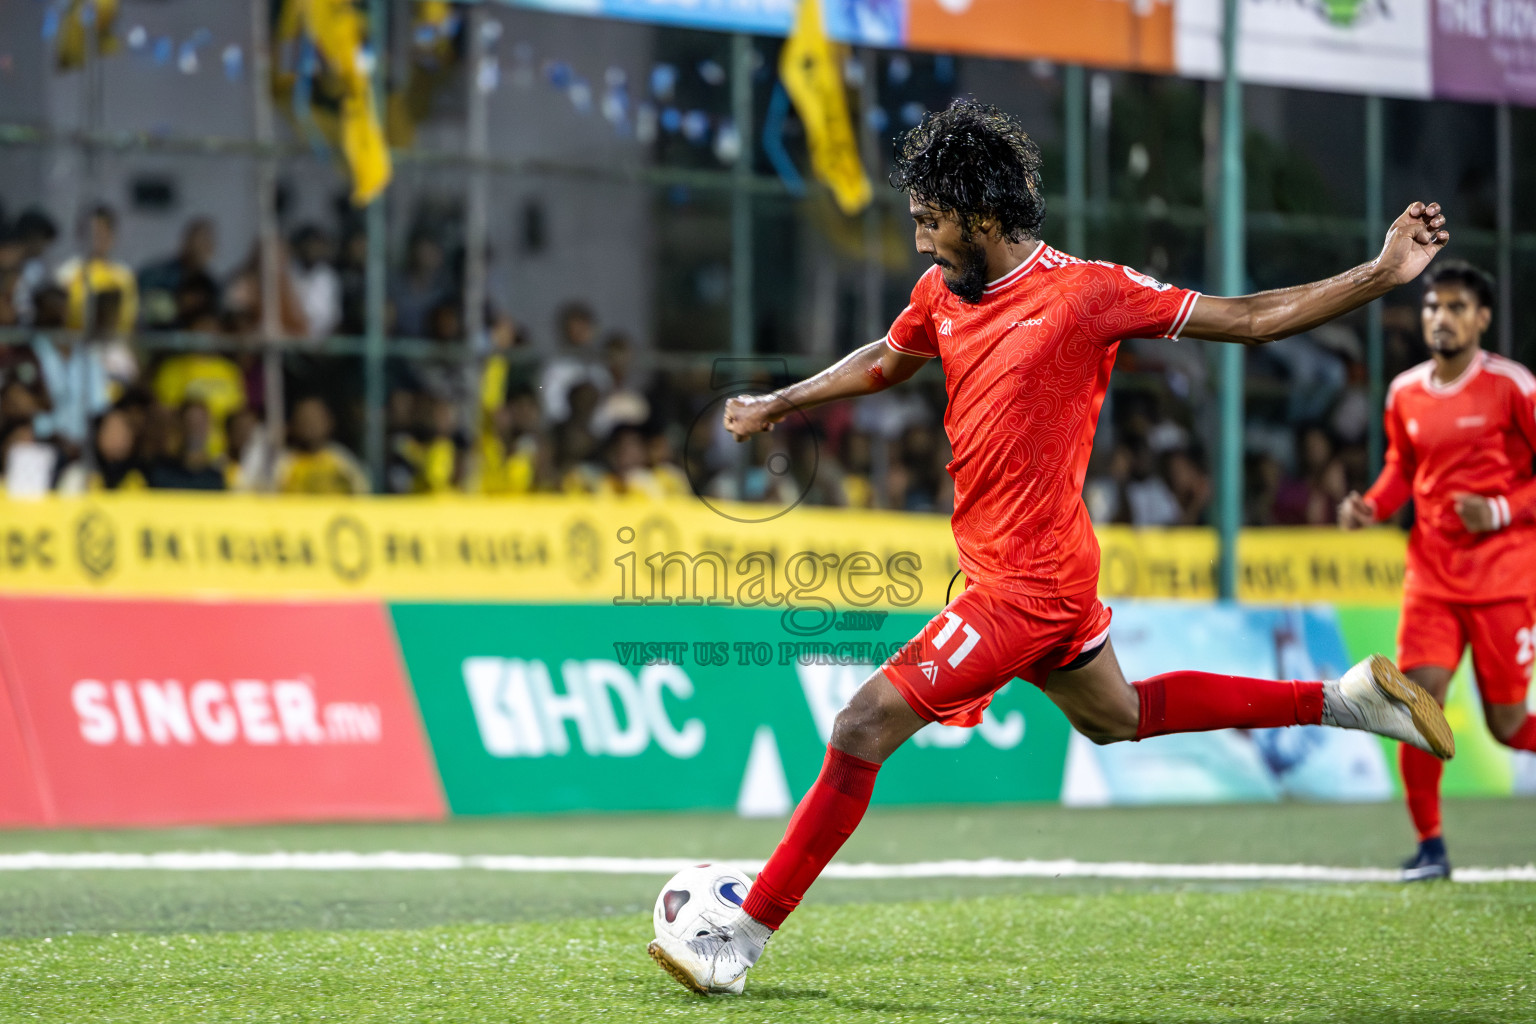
{"x":478,"y":946}
{"x":1367,"y":954}
{"x":1483,"y":832}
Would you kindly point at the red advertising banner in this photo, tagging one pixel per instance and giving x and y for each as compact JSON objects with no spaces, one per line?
{"x":22,"y":800}
{"x":161,"y":712}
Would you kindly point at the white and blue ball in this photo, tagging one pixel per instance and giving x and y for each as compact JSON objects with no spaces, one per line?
{"x":699,"y":898}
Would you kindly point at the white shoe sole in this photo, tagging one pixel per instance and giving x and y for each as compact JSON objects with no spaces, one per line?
{"x":1428,"y":719}
{"x":684,"y":978}
{"x":1426,"y":875}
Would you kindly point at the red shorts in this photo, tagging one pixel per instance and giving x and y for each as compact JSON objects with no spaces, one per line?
{"x":1433,"y":632}
{"x":985,"y":638}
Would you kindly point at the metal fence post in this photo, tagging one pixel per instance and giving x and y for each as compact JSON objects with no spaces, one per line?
{"x":741,"y":197}
{"x":1375,"y":169}
{"x":1075,"y":130}
{"x":1229,"y":502}
{"x":373,"y":353}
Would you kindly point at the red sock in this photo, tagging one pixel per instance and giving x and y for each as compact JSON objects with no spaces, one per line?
{"x":1525,"y":736}
{"x":1421,"y":785}
{"x":825,"y":818}
{"x":1198,"y":701}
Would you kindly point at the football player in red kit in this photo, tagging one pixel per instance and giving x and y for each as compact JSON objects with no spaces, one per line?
{"x":1461,"y":432}
{"x":1027,"y":336}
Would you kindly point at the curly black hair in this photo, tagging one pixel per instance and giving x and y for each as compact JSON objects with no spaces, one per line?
{"x":977,"y":161}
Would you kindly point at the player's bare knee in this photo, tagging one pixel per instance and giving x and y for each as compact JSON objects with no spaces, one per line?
{"x":1503,"y":731}
{"x":857,"y":725}
{"x":1104,"y":730}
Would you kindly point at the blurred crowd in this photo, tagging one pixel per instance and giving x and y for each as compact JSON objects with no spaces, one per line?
{"x":87,"y":403}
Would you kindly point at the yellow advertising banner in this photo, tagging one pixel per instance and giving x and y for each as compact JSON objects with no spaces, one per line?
{"x":558,"y":550}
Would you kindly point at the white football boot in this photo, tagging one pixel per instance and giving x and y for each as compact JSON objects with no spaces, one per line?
{"x":713,"y":963}
{"x":1376,"y":697}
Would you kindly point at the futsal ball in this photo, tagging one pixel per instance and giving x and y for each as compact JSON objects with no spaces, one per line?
{"x":699,"y":898}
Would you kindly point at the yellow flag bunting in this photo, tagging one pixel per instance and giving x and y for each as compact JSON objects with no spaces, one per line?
{"x":337,"y":30}
{"x":70,"y":48}
{"x":811,"y":67}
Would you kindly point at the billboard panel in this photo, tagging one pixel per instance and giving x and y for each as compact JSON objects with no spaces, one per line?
{"x":161,"y":712}
{"x":552,"y":709}
{"x":22,"y":799}
{"x":1485,"y":52}
{"x":1339,"y":45}
{"x":1310,"y":763}
{"x":1134,"y":34}
{"x":553,"y":549}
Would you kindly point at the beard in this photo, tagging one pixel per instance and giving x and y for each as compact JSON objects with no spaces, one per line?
{"x":1447,"y":348}
{"x":969,"y":278}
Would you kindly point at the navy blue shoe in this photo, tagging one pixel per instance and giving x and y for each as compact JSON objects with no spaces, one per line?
{"x":1429,"y":863}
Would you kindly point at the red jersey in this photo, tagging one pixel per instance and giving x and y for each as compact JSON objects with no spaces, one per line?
{"x":1475,"y":435}
{"x":1026,"y":369}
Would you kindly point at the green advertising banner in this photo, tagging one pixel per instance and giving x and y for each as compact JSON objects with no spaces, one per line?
{"x":580,"y":707}
{"x":1481,"y":767}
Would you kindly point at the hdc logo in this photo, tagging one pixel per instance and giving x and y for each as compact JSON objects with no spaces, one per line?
{"x":520,"y":713}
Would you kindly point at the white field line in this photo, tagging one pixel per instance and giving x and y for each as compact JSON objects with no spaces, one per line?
{"x":223,"y":860}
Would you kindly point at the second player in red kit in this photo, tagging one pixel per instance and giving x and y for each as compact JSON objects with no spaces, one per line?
{"x":1461,"y":435}
{"x":1027,"y":337}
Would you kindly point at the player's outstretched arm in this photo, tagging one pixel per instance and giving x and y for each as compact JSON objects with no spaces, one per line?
{"x":863,"y":371}
{"x":1412,"y":241}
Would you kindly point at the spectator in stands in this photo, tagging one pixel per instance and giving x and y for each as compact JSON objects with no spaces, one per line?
{"x":629,"y":471}
{"x":897,"y":486}
{"x":439,"y":459}
{"x":670,"y":478}
{"x":10,"y":274}
{"x":576,"y":363}
{"x":19,"y":368}
{"x":515,"y":452}
{"x":858,"y":461}
{"x":35,"y":232}
{"x":74,"y":376}
{"x":243,"y":297}
{"x":18,"y":402}
{"x":99,"y":282}
{"x":1148,"y":497}
{"x":1190,"y":486}
{"x":446,"y":320}
{"x":317,"y":283}
{"x":248,"y":455}
{"x":420,"y":287}
{"x":576,"y":456}
{"x":1304,"y":497}
{"x":624,"y":404}
{"x":1263,"y":477}
{"x":199,"y":306}
{"x":352,"y":276}
{"x":401,"y":441}
{"x":190,"y":270}
{"x":919,"y":453}
{"x":24,"y":473}
{"x":114,"y":467}
{"x":312,"y":462}
{"x":185,"y":462}
{"x":208,"y":378}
